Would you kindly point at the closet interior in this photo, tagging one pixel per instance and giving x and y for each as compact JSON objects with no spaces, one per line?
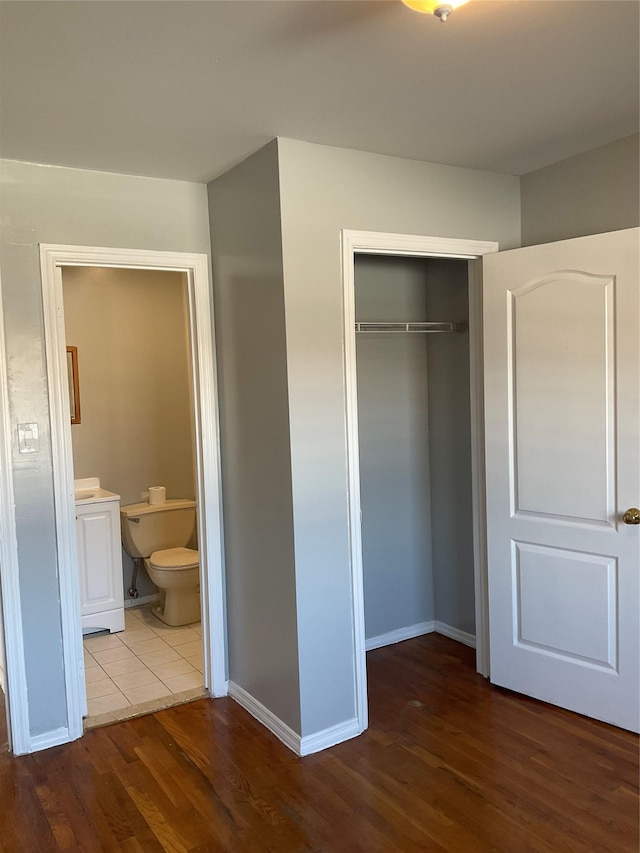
{"x":414,"y":422}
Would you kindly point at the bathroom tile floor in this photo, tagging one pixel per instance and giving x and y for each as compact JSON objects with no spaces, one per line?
{"x":148,"y":662}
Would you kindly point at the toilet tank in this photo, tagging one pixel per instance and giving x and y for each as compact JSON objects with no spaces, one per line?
{"x":146,"y":528}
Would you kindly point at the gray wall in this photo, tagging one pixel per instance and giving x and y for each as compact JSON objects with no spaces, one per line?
{"x":322,"y":191}
{"x":394,"y":449}
{"x":48,"y":204}
{"x":450,"y":447}
{"x":256,"y":472}
{"x":593,"y":192}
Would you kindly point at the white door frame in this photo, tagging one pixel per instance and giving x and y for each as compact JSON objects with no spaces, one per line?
{"x":406,"y":245}
{"x":16,"y":699}
{"x":195,"y":266}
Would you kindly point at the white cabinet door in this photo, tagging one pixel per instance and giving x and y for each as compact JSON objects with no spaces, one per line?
{"x":100,"y":566}
{"x":562,"y":364}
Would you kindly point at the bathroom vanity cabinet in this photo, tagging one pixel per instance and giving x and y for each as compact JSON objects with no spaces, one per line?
{"x":100,"y":563}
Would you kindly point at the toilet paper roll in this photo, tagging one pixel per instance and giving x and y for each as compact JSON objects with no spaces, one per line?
{"x":157,"y":495}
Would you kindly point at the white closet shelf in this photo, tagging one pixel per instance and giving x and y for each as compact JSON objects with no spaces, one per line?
{"x":430,"y":327}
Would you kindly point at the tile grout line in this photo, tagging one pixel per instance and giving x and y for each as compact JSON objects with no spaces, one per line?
{"x":118,"y":643}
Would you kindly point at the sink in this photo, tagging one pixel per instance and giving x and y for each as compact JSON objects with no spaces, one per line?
{"x":89,"y":490}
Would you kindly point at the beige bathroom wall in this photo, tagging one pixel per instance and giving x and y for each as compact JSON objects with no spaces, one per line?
{"x":135,"y":389}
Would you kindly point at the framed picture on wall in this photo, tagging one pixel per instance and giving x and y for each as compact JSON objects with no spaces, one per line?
{"x":74,"y":386}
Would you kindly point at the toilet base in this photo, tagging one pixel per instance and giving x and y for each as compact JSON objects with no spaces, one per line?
{"x":178,"y":607}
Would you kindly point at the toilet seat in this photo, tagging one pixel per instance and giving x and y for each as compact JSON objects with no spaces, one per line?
{"x":174,"y":559}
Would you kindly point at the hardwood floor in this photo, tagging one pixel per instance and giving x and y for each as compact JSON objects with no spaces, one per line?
{"x":448,"y":763}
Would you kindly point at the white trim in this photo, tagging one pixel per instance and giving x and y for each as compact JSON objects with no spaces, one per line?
{"x":17,"y":701}
{"x":380,"y":243}
{"x":329,"y":737}
{"x":263,"y":715}
{"x":49,"y":739}
{"x":195,"y":266}
{"x":62,"y":465}
{"x":300,"y":745}
{"x":454,"y":634}
{"x":209,"y":473}
{"x":349,"y":242}
{"x":419,"y":630}
{"x":400,"y":634}
{"x":478,"y":470}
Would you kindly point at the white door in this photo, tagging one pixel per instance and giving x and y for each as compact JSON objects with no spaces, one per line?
{"x":562,"y":365}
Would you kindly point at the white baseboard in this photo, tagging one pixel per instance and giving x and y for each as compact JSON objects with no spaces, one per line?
{"x":136,"y":602}
{"x":418,"y":630}
{"x":455,"y":634}
{"x":330,"y":737}
{"x":49,"y":739}
{"x":300,"y":745}
{"x":266,"y":717}
{"x":399,"y":635}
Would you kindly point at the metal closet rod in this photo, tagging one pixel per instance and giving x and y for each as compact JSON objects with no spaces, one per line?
{"x":377,"y":326}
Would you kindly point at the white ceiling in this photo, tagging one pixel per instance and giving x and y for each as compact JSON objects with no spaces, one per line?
{"x":184,"y":89}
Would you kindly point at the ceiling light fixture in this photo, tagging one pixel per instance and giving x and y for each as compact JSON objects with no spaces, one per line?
{"x":435,"y":7}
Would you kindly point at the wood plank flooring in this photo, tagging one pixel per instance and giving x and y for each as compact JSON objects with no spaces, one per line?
{"x":449,"y":763}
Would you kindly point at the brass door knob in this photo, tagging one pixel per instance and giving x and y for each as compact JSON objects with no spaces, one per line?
{"x":632,"y":516}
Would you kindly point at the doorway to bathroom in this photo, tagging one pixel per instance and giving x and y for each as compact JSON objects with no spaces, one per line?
{"x":131,"y":396}
{"x":133,"y":406}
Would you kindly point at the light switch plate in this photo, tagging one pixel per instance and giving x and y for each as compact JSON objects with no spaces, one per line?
{"x":28,"y":440}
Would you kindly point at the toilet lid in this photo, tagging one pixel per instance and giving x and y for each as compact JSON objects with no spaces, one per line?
{"x":175,"y":558}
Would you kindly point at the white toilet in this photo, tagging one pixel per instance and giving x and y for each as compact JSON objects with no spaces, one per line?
{"x":159,"y":534}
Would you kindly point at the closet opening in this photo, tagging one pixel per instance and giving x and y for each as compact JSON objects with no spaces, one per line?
{"x":414,"y":431}
{"x":132,"y":426}
{"x":415,"y":443}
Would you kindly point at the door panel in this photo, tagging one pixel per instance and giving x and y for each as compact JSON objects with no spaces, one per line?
{"x":562,"y":388}
{"x":564,"y":604}
{"x":561,"y":372}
